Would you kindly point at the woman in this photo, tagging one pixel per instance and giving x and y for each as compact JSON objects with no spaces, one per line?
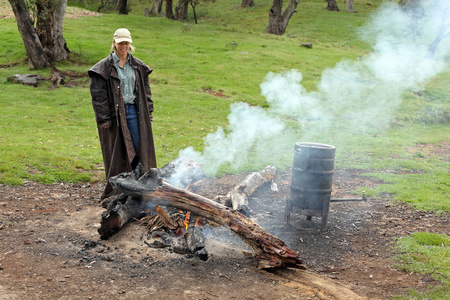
{"x":123,"y":106}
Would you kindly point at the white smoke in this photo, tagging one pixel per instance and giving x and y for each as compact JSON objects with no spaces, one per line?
{"x":359,"y":95}
{"x":247,"y":125}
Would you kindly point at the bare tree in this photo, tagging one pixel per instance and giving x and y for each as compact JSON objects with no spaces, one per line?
{"x":156,"y":7}
{"x":181,"y":9}
{"x":169,"y":10}
{"x":442,"y":32}
{"x":193,"y":4}
{"x":278,"y":18}
{"x":46,"y":43}
{"x":49,"y":28}
{"x":122,"y":8}
{"x":247,"y":3}
{"x":59,"y":48}
{"x":349,"y":6}
{"x":332,"y":5}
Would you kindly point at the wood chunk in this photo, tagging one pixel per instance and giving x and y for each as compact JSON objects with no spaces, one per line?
{"x":240,"y":193}
{"x":195,"y":239}
{"x":168,"y":222}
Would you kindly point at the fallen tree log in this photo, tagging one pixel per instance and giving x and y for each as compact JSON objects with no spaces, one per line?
{"x":269,"y":251}
{"x":240,"y":193}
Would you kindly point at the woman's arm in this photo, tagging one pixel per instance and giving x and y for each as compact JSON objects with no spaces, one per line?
{"x":100,"y":102}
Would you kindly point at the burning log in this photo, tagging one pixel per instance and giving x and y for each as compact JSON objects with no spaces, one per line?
{"x":169,"y":223}
{"x":195,"y":240}
{"x":269,"y":251}
{"x":239,"y":194}
{"x":123,"y":208}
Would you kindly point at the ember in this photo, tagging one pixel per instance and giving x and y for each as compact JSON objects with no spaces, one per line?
{"x":176,"y":230}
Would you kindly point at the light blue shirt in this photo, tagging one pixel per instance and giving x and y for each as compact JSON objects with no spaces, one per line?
{"x":127,"y":79}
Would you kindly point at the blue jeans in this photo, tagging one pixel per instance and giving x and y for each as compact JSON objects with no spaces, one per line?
{"x":133,"y":123}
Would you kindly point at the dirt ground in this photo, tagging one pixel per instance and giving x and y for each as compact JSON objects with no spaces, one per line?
{"x":50,"y":248}
{"x":71,"y":12}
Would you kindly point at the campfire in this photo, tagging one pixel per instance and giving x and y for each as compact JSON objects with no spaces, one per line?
{"x":168,"y":228}
{"x":178,"y":230}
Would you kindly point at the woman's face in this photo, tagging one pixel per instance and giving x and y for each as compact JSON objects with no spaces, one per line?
{"x":122,"y":48}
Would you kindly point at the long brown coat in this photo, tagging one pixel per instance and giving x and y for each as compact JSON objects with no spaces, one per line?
{"x":115,"y":139}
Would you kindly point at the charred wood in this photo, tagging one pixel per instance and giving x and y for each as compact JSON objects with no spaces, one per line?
{"x":195,"y":239}
{"x":118,"y":215}
{"x":123,"y":208}
{"x":269,"y":251}
{"x":240,"y":193}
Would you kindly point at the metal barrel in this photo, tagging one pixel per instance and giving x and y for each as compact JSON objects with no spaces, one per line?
{"x":312,"y":176}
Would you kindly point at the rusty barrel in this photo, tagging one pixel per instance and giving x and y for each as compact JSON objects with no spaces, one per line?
{"x":312,"y":178}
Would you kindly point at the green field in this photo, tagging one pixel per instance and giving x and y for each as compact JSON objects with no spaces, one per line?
{"x":236,"y":99}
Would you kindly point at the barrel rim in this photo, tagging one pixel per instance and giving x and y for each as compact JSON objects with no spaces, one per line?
{"x":314,"y":145}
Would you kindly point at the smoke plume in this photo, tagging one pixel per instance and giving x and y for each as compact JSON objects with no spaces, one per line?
{"x":355,"y":96}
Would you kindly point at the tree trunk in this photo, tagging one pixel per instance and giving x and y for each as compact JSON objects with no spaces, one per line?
{"x":156,"y":7}
{"x":59,"y":48}
{"x":193,"y":10}
{"x":37,"y":58}
{"x":269,"y":251}
{"x":49,"y":28}
{"x":45,"y":12}
{"x":349,"y":6}
{"x":434,"y":44}
{"x":169,"y":10}
{"x":278,"y":19}
{"x":121,"y":7}
{"x":332,"y":5}
{"x":443,"y":32}
{"x":181,"y":9}
{"x":247,"y":3}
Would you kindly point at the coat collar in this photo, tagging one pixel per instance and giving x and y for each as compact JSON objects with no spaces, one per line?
{"x":106,"y":66}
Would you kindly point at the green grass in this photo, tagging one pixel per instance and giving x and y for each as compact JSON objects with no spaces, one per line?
{"x":46,"y":138}
{"x":426,"y":253}
{"x":49,"y":135}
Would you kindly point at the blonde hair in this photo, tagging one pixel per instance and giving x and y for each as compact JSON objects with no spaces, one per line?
{"x":131,"y":50}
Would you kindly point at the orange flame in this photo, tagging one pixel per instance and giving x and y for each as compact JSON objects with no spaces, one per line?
{"x":186,"y":220}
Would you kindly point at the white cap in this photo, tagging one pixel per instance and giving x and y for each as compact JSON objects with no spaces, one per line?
{"x":122,"y":35}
